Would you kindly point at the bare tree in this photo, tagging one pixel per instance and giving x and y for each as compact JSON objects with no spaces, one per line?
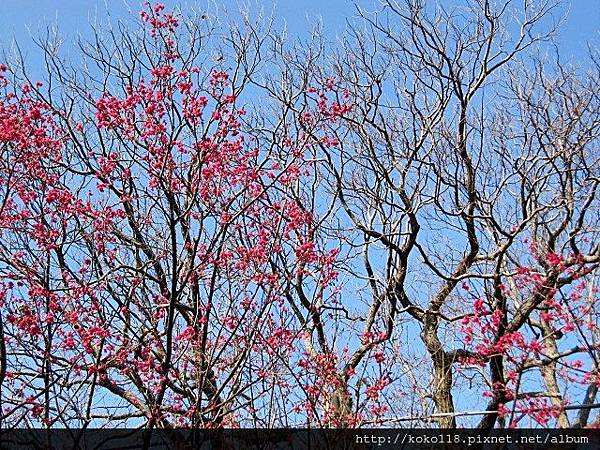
{"x":466,"y":174}
{"x":209,"y":224}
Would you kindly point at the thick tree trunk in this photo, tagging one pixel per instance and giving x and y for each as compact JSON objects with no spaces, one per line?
{"x":549,"y":374}
{"x":442,"y":373}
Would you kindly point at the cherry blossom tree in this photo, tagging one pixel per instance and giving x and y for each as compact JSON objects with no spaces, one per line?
{"x":208,"y":225}
{"x":148,"y":243}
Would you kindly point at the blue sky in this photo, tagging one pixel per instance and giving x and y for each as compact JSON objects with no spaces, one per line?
{"x":21,"y":18}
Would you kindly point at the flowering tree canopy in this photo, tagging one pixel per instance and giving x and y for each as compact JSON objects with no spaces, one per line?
{"x":286,"y":235}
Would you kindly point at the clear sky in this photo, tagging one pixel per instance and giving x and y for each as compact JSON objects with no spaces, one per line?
{"x":19,"y":18}
{"x":22,"y":19}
